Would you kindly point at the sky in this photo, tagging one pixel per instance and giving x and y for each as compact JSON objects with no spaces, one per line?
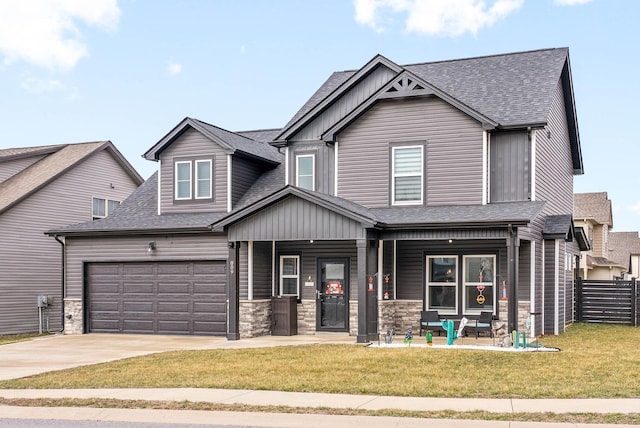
{"x":128,"y":71}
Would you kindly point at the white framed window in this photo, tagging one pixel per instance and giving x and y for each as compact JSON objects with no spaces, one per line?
{"x":193,"y":179}
{"x":442,"y":284}
{"x":407,"y":170}
{"x":479,"y":283}
{"x":100,"y":207}
{"x":204,"y":177}
{"x":305,"y":171}
{"x":290,"y":275}
{"x":183,"y":180}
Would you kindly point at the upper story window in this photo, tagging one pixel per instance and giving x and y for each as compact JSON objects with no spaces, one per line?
{"x":103,"y":207}
{"x":193,"y":179}
{"x":407,"y":175}
{"x":305,"y":171}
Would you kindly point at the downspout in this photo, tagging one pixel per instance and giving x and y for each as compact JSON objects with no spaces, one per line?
{"x":63,"y":291}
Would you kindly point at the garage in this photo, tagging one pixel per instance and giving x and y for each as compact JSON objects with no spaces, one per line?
{"x":157,"y":298}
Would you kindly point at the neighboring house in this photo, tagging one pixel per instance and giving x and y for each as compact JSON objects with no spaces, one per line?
{"x":43,"y":188}
{"x":444,"y":186}
{"x":625,"y":250}
{"x":592,"y":212}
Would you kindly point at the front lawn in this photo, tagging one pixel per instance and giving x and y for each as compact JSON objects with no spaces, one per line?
{"x":595,"y":361}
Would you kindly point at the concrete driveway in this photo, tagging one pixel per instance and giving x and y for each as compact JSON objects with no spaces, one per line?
{"x":49,"y":353}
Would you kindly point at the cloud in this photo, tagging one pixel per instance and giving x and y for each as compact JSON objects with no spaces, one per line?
{"x":44,"y":33}
{"x":436,"y":17}
{"x":174,"y":68}
{"x":36,"y":85}
{"x":570,"y":2}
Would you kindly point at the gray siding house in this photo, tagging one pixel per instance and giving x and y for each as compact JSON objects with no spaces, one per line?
{"x":445,"y":186}
{"x":42,"y":188}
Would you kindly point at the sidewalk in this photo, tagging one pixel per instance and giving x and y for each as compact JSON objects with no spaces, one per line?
{"x":296,"y":399}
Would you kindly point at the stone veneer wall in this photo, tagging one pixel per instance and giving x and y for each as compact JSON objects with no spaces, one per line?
{"x":255,"y":318}
{"x":399,"y":315}
{"x":353,"y":317}
{"x":73,"y":319}
{"x":524,"y":310}
{"x":307,"y":317}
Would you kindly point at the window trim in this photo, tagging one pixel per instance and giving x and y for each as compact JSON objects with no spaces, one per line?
{"x":105,"y":202}
{"x":394,"y":175}
{"x":176,"y":196}
{"x":455,"y":285}
{"x":466,"y":310}
{"x":282,"y":276}
{"x":194,"y":165}
{"x":196,"y":179}
{"x":313,"y":169}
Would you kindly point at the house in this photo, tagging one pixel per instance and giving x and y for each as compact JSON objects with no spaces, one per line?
{"x":625,"y":250}
{"x":445,"y":186}
{"x":42,"y":188}
{"x":592,"y":213}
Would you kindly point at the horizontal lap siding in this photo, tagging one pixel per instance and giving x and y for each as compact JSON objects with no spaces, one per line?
{"x":123,"y":249}
{"x":262,"y":272}
{"x":453,"y":152}
{"x":31,"y":261}
{"x":324,"y":164}
{"x":244,"y":173}
{"x":191,"y":146}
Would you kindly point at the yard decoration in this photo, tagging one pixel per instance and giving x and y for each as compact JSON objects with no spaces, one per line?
{"x":452,"y":334}
{"x":429,"y":337}
{"x":408,"y":338}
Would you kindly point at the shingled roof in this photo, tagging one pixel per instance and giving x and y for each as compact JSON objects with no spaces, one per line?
{"x":622,"y":245}
{"x":595,"y":206}
{"x":512,"y":89}
{"x":230,"y":141}
{"x":57,"y":160}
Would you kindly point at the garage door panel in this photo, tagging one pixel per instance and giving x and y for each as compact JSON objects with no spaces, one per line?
{"x":158,"y":297}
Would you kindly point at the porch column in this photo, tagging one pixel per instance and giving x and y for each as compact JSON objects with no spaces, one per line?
{"x":361,"y":245}
{"x":512,"y":270}
{"x":372,"y":292}
{"x":233,"y":293}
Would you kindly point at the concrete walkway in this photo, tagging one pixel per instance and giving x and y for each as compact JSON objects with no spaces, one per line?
{"x":59,"y":352}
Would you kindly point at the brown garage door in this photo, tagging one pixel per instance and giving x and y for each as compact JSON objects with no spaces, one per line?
{"x":160,"y":298}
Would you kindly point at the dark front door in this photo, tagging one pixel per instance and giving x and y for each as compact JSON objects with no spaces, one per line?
{"x":332,"y":307}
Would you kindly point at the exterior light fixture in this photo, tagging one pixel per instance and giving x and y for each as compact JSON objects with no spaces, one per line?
{"x":151,"y":247}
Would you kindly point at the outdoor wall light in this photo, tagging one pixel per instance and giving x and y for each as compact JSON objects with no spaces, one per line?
{"x":151,"y":247}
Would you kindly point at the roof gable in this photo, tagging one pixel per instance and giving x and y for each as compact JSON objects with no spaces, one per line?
{"x":31,"y":179}
{"x":232,"y":143}
{"x":595,"y":206}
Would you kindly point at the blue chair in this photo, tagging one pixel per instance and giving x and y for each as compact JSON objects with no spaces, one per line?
{"x":430,"y":320}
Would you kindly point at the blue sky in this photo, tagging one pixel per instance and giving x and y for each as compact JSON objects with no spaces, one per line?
{"x":129,"y":70}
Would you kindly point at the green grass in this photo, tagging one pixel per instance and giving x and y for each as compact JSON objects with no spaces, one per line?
{"x":13,"y":338}
{"x":595,"y":361}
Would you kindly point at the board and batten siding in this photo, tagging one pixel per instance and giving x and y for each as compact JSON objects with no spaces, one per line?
{"x":8,"y":168}
{"x":30,"y":261}
{"x":81,"y":250}
{"x":295,"y":219}
{"x":192,"y":145}
{"x":454,"y":156}
{"x":378,"y":77}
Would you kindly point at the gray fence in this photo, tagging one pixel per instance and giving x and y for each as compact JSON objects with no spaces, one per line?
{"x":608,"y":302}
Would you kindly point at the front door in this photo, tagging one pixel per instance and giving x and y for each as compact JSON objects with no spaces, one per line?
{"x":332,"y":308}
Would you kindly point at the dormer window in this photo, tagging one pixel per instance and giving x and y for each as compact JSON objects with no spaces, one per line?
{"x":407,"y":175}
{"x":305,"y":171}
{"x":193,"y":179}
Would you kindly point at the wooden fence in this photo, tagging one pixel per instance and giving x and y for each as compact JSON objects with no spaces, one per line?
{"x":608,"y":302}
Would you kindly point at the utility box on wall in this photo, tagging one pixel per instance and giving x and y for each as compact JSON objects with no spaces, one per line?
{"x":284,"y":315}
